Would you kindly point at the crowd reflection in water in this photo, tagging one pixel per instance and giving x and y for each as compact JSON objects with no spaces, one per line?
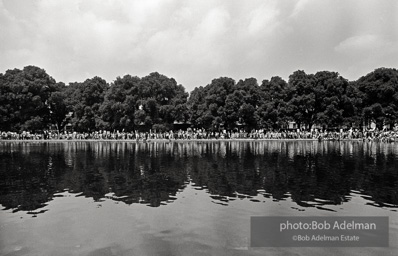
{"x":311,"y":173}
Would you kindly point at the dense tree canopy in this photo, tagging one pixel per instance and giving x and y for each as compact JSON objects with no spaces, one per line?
{"x":325,"y":99}
{"x":85,"y":100}
{"x":225,"y":104}
{"x":117,"y":111}
{"x":210,"y":106}
{"x":379,"y":93}
{"x":24,"y":98}
{"x":334,"y":104}
{"x":154,"y":101}
{"x":58,"y":106}
{"x":31,"y":100}
{"x":274,"y":110}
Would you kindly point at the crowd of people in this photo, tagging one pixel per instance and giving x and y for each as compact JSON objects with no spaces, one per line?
{"x":201,"y":134}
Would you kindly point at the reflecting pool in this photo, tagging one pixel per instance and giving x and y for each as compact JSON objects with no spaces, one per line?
{"x":185,"y":198}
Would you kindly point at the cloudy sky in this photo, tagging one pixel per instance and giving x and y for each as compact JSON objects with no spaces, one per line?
{"x":195,"y":41}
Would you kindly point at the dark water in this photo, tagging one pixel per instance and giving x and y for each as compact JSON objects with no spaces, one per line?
{"x":164,"y":198}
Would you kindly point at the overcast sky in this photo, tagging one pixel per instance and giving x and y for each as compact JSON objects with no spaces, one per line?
{"x":195,"y":41}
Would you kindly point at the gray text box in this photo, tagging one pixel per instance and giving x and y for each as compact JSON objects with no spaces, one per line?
{"x":318,"y":231}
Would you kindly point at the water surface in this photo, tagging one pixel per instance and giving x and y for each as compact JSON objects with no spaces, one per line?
{"x":185,"y":198}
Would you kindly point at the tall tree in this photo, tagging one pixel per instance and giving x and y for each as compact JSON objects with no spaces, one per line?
{"x":24,"y":98}
{"x":303,"y":102}
{"x":155,"y":101}
{"x":58,"y":106}
{"x":274,"y":107}
{"x":379,"y":96}
{"x":117,"y":110}
{"x":252,"y":98}
{"x":162,"y":101}
{"x":198,"y":109}
{"x":86,"y":99}
{"x":335,"y":103}
{"x":208,"y":104}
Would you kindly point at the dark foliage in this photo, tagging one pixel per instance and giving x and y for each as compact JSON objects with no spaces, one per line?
{"x":31,"y":100}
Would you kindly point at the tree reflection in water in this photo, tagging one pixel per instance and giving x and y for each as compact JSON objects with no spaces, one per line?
{"x":312,"y":174}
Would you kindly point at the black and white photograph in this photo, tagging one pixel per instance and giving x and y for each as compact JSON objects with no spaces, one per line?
{"x":198,"y":127}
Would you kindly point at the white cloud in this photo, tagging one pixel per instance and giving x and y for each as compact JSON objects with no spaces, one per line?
{"x":299,"y":7}
{"x":263,"y":19}
{"x":366,"y":52}
{"x":215,"y":23}
{"x":363,"y":44}
{"x":194,"y":41}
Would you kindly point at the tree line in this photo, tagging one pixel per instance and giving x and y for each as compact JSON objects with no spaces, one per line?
{"x":31,"y":100}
